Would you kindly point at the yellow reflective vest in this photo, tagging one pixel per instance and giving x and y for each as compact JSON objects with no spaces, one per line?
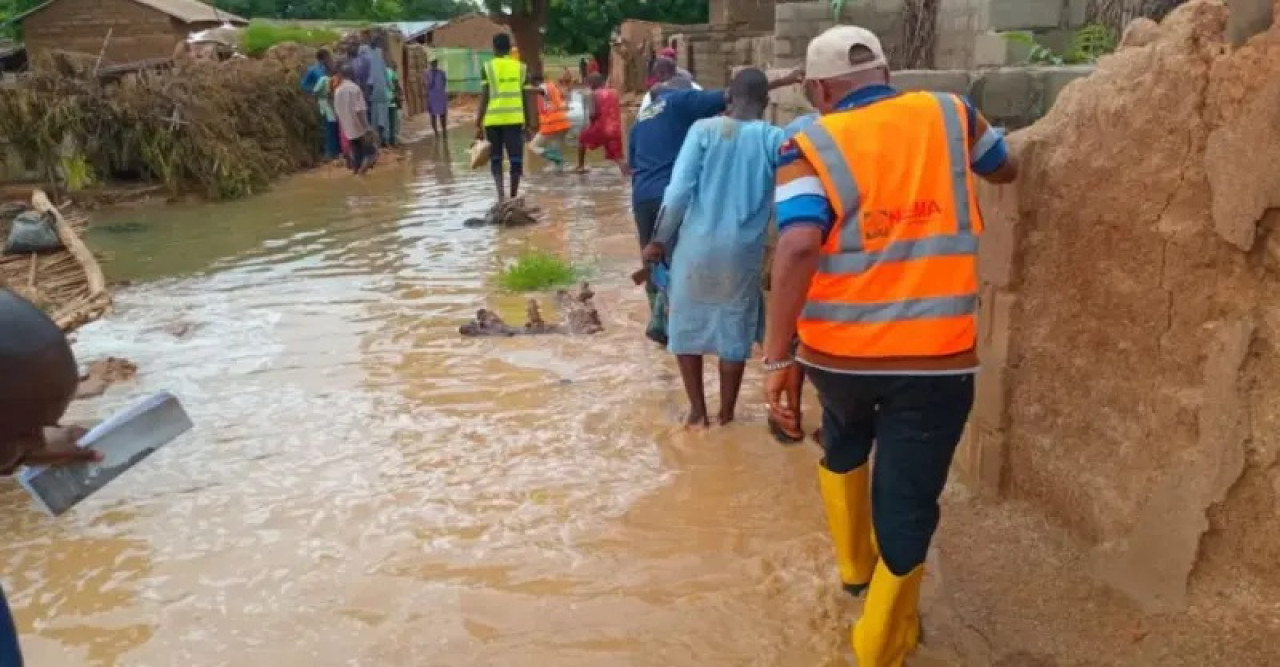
{"x":505,"y":77}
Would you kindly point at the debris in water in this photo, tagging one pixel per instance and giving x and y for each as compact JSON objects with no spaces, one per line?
{"x":179,"y":329}
{"x":507,"y":213}
{"x":100,"y":374}
{"x":580,"y":312}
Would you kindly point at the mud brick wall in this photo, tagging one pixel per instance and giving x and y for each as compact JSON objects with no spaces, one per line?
{"x":469,"y":32}
{"x":138,"y":32}
{"x":1130,"y":334}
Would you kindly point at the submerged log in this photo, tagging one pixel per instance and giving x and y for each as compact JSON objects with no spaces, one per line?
{"x":507,"y":213}
{"x":580,"y":314}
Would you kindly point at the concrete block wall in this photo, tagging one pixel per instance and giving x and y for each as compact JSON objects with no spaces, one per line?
{"x":756,"y":15}
{"x":970,"y":33}
{"x":1012,"y":97}
{"x":795,"y":23}
{"x":711,"y":52}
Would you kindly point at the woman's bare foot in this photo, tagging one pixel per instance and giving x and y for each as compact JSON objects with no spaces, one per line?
{"x":724,"y":419}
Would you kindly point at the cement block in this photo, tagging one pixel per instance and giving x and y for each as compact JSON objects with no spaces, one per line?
{"x":802,"y":11}
{"x":1008,"y":96}
{"x":1077,"y":13}
{"x":1247,"y":18}
{"x":1057,"y":40}
{"x":805,"y":30}
{"x":946,"y":81}
{"x":1024,"y":14}
{"x":996,"y":49}
{"x":1057,"y":78}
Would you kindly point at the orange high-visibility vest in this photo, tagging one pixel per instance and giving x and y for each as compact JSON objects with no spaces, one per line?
{"x":898,"y":273}
{"x":553,"y":116}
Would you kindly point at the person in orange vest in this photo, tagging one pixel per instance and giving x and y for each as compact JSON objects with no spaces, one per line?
{"x":876,"y":271}
{"x":553,"y":122}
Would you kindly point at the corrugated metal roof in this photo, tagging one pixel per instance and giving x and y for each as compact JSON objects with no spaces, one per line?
{"x":411,"y":29}
{"x":192,"y":11}
{"x":187,"y":11}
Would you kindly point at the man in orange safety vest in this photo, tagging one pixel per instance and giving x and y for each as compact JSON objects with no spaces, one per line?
{"x":875,"y":271}
{"x":553,"y":122}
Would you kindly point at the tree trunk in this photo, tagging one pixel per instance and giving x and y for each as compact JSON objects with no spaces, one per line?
{"x":527,"y":32}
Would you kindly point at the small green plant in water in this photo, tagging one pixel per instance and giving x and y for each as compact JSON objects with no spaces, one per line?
{"x":536,"y":271}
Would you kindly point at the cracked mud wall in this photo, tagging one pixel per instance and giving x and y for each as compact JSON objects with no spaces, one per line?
{"x":1131,"y":316}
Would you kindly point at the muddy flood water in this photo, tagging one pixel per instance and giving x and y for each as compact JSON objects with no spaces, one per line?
{"x":364,"y":487}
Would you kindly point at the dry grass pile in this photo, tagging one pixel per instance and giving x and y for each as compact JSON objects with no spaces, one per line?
{"x":223,"y":130}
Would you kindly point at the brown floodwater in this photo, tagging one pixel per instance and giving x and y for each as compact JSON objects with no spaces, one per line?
{"x":364,"y":487}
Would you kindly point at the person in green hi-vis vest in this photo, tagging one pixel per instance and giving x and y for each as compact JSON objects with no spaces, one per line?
{"x":504,"y":119}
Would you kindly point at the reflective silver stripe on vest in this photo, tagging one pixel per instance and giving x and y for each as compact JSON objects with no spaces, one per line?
{"x":959,"y":163}
{"x":846,"y":185}
{"x":901,"y":251}
{"x":849,"y":257}
{"x":892,"y":311}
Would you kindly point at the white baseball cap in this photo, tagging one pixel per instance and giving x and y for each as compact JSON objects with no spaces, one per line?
{"x":828,"y":54}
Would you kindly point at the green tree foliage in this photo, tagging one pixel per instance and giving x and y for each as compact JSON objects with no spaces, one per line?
{"x":526,"y":20}
{"x":585,"y":26}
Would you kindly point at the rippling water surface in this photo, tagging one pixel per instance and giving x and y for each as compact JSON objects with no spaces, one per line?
{"x":365,"y":487}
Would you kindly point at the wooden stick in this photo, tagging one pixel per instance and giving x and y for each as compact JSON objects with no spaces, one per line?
{"x":31,"y":277}
{"x":92,"y":271}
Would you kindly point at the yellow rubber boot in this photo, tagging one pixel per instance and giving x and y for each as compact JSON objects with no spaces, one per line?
{"x":889,"y":629}
{"x":847,"y":498}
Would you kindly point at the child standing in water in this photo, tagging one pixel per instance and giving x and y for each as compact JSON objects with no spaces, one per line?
{"x":605,"y":130}
{"x":719,"y":202}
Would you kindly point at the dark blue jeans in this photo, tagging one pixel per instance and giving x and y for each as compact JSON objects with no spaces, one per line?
{"x":915,"y":423}
{"x":10,"y":653}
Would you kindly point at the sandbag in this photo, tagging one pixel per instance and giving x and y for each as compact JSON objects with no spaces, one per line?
{"x":32,"y":231}
{"x":38,"y":373}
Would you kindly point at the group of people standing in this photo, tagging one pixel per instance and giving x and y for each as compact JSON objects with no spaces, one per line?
{"x":359,"y":100}
{"x":515,"y":105}
{"x":873,"y":288}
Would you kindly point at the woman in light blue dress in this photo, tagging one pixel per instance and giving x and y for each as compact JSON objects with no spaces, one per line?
{"x":716,"y":212}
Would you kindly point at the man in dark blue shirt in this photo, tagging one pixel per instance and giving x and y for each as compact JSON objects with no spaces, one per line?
{"x":659,"y":132}
{"x":654,"y":144}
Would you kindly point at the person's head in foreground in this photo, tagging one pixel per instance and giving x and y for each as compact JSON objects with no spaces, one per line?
{"x":324,"y":58}
{"x":749,"y":94}
{"x":502,"y":44}
{"x":435,"y":64}
{"x":841,"y":60}
{"x":566,"y":78}
{"x":595,"y":80}
{"x":38,"y":379}
{"x":664,"y":70}
{"x":347,"y":70}
{"x":668,"y":53}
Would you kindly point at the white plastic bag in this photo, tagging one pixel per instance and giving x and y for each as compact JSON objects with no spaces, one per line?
{"x":577,"y":113}
{"x":480,"y":153}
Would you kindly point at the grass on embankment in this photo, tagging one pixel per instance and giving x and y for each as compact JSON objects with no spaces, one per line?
{"x":261,"y":35}
{"x":535,"y":271}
